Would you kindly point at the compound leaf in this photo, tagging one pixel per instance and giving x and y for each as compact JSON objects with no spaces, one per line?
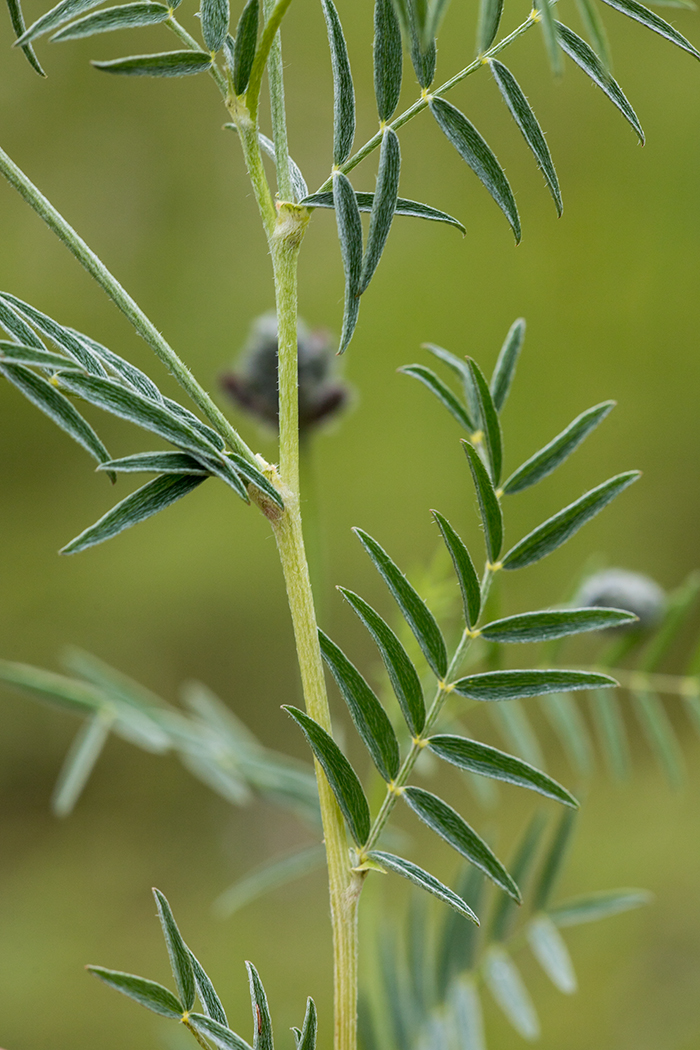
{"x":524,"y":117}
{"x":52,"y":403}
{"x":370,"y":718}
{"x":557,"y":450}
{"x":490,"y":762}
{"x":221,"y":1036}
{"x":388,"y":58}
{"x":441,"y":391}
{"x":347,"y":215}
{"x":214,"y":15}
{"x":489,"y":507}
{"x":341,"y":776}
{"x":464,"y":568}
{"x":447,"y":823}
{"x":343,"y":90}
{"x":489,"y":421}
{"x":549,"y":949}
{"x":584,"y":57}
{"x":151,"y":498}
{"x":416,"y":613}
{"x":595,"y":906}
{"x":402,"y":674}
{"x":506,"y":986}
{"x":413,"y":209}
{"x":165,"y":64}
{"x":424,"y":880}
{"x":126,"y":16}
{"x":554,"y":623}
{"x":473,"y":148}
{"x":652,"y":21}
{"x":512,"y":685}
{"x":383,"y":206}
{"x":178,"y":952}
{"x":505,"y":365}
{"x":490,"y":12}
{"x":562,"y":526}
{"x":244,"y":46}
{"x":149,"y":994}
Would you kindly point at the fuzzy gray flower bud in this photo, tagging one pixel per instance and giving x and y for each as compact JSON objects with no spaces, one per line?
{"x":621,"y":589}
{"x":253,"y":386}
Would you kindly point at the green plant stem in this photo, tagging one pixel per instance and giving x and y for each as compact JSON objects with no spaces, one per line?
{"x":345,"y":885}
{"x":424,"y":101}
{"x":267,"y":41}
{"x":394,"y":789}
{"x":146,"y":329}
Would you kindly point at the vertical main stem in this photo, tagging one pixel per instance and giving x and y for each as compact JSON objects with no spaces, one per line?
{"x":344,"y":884}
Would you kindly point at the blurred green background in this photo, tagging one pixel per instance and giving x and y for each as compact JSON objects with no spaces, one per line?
{"x":146,"y":174}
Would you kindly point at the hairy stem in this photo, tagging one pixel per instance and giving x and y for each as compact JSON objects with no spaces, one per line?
{"x":182,"y":34}
{"x":344,"y":884}
{"x":146,"y":329}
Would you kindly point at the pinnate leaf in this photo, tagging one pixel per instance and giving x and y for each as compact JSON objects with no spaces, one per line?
{"x":165,"y":64}
{"x":62,"y":12}
{"x":447,"y":823}
{"x":557,"y":450}
{"x":347,"y":216}
{"x":388,"y":58}
{"x":341,"y":776}
{"x":584,"y":57}
{"x":512,"y":685}
{"x":441,"y":391}
{"x":562,"y":526}
{"x":370,"y":718}
{"x":343,"y":90}
{"x":553,"y":623}
{"x":473,"y":148}
{"x":464,"y":568}
{"x":151,"y":498}
{"x":489,"y":507}
{"x":383,"y":206}
{"x":214,"y":15}
{"x":149,"y":994}
{"x":508,"y":989}
{"x":490,"y":762}
{"x":505,"y":365}
{"x":652,"y":21}
{"x":424,"y":880}
{"x":221,"y":1036}
{"x":490,"y":12}
{"x":262,"y":1022}
{"x":365,"y":201}
{"x":52,"y":403}
{"x":416,"y":613}
{"x":126,"y":16}
{"x":178,"y":952}
{"x":402,"y":674}
{"x":489,"y":421}
{"x":18,"y":24}
{"x":524,"y":117}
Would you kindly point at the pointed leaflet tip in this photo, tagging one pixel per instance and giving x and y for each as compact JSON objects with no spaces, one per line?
{"x":178,"y":952}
